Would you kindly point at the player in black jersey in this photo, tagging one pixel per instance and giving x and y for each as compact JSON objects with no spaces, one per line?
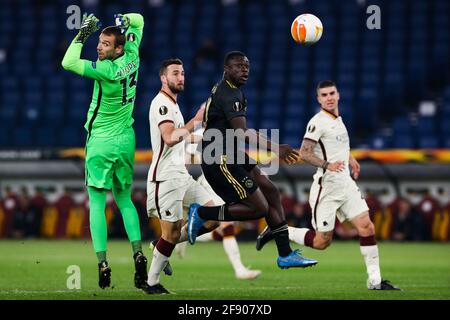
{"x":233,"y":175}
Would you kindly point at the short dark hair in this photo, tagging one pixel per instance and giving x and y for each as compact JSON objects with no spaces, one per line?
{"x":325,"y":84}
{"x":118,"y":35}
{"x":231,"y":55}
{"x":167,"y":63}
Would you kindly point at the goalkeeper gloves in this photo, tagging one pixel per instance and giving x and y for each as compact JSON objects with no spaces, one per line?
{"x":89,"y":25}
{"x":122,"y":22}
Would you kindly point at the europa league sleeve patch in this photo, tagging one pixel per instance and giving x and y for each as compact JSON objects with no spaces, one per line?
{"x":131,"y":37}
{"x":311,"y":128}
{"x":163,"y":110}
{"x":237,"y":106}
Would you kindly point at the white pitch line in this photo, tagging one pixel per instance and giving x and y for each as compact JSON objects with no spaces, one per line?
{"x":136,"y":291}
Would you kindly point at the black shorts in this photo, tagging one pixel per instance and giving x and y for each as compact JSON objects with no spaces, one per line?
{"x":231,"y":182}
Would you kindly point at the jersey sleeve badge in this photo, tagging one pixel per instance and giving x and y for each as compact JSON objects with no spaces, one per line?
{"x":311,"y":128}
{"x":163,"y":110}
{"x":131,"y":37}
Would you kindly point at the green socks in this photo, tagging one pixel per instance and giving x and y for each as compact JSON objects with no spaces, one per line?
{"x":137,"y":246}
{"x":97,"y":219}
{"x":101,"y":256}
{"x":129,"y":213}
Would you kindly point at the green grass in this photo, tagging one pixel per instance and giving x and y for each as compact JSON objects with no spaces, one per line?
{"x":36,"y":269}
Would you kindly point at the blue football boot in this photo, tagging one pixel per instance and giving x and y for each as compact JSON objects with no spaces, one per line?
{"x":294,"y":260}
{"x":194,"y":223}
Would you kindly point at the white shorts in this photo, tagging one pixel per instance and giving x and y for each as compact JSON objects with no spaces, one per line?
{"x":329,"y":200}
{"x":166,"y":199}
{"x":217,"y":200}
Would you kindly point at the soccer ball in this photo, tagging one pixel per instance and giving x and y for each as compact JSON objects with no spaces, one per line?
{"x":306,"y":29}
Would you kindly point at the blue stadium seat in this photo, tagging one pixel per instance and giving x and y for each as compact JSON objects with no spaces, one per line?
{"x":402,"y":141}
{"x":380,"y":142}
{"x":402,"y":126}
{"x":23,"y":137}
{"x":8,"y":114}
{"x":53,"y":113}
{"x":72,"y":136}
{"x":295,"y":125}
{"x":142,"y":137}
{"x":444,"y":125}
{"x":269,"y":124}
{"x":426,"y":126}
{"x":46,"y":136}
{"x":5,"y":137}
{"x":428,"y":141}
{"x":31,"y":114}
{"x":270,"y":110}
{"x":446,"y":142}
{"x":293,"y":140}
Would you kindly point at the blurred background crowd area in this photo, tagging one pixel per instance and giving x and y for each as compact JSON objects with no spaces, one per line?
{"x":65,"y":215}
{"x":394,"y":82}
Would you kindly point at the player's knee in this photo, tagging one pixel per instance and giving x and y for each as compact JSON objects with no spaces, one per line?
{"x":211,"y":224}
{"x":369,"y":229}
{"x":321,"y":243}
{"x":174,"y":236}
{"x":123,"y":203}
{"x":228,"y":230}
{"x":366,"y":229}
{"x":262,"y":208}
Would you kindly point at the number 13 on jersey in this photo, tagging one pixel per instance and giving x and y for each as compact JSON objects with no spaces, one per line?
{"x":133,"y":82}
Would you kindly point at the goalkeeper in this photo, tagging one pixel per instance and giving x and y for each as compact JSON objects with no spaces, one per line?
{"x":110,"y":143}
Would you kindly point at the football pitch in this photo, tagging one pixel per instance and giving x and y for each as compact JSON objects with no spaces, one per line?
{"x":39,"y":269}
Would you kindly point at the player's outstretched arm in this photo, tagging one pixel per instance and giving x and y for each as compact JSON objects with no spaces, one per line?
{"x":172,"y":135}
{"x":256,"y":139}
{"x":307,"y":154}
{"x":72,"y":61}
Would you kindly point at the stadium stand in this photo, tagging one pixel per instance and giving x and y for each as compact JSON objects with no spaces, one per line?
{"x":382,"y":75}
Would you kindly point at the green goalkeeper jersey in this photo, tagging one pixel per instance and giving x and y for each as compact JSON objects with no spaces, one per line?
{"x":112,"y":104}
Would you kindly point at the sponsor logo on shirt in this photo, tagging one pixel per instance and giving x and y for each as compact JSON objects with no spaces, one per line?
{"x":311,"y":128}
{"x":342,"y":138}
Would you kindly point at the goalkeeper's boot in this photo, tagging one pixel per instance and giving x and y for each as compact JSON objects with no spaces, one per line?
{"x":140,"y":266}
{"x":104,"y":275}
{"x":168,"y":271}
{"x":263,"y":238}
{"x":194,"y":223}
{"x":295,"y":260}
{"x":155,"y":289}
{"x":383,"y":285}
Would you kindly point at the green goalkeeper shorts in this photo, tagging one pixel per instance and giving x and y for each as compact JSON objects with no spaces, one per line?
{"x":110,"y":160}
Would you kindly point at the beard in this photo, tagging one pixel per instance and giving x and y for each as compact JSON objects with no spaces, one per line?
{"x":175,"y":88}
